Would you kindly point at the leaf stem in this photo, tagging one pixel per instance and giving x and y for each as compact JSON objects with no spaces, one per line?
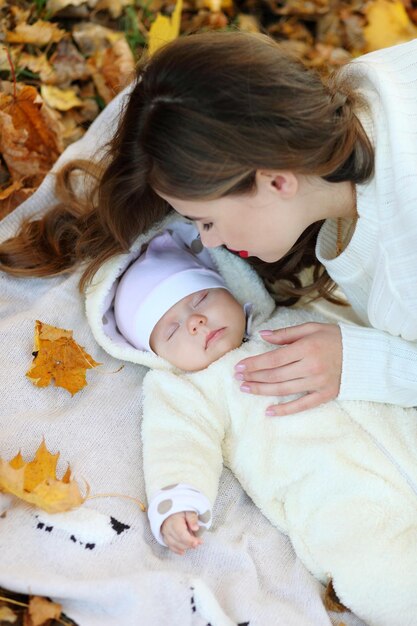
{"x":9,"y":58}
{"x":118,"y":495}
{"x":10,"y":601}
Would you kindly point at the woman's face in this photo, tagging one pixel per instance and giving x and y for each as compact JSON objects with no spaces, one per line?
{"x":265,"y":224}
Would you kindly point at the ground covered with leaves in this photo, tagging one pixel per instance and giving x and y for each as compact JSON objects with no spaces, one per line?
{"x":62,"y":61}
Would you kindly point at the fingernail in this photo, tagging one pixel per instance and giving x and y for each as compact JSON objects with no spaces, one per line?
{"x":240,"y":367}
{"x":264,"y":333}
{"x":245,"y":388}
{"x":239,"y":377}
{"x":270,"y":412}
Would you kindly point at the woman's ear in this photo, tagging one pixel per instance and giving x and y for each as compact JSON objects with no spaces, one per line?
{"x":282,"y":182}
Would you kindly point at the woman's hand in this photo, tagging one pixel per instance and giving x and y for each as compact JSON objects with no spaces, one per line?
{"x":309,"y":362}
{"x":178,"y":531}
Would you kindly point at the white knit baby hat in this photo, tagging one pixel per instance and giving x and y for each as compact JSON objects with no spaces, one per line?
{"x":164,"y":274}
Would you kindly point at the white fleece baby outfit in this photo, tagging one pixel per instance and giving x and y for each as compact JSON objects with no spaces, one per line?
{"x":340,"y":479}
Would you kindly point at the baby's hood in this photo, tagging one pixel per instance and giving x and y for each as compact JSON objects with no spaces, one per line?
{"x":241,"y":279}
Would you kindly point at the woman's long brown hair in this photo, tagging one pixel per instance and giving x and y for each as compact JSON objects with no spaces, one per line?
{"x":206,"y":112}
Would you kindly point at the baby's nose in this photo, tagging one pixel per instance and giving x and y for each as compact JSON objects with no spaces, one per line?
{"x":210,"y":239}
{"x":195,"y":321}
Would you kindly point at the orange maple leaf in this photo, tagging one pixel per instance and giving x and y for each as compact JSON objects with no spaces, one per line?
{"x":36,"y":482}
{"x":57,"y":356}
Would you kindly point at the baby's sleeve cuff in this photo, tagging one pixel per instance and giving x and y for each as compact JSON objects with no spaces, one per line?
{"x":176,"y":499}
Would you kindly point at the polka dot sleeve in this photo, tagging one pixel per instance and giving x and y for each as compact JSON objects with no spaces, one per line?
{"x":177,"y":499}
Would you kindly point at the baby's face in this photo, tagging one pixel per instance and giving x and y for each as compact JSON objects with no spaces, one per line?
{"x":199,"y":329}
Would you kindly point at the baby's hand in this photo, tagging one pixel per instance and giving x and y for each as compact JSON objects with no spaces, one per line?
{"x":178,"y":531}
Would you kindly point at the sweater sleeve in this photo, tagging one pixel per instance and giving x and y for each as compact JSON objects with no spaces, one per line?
{"x":378,"y":367}
{"x":182,"y":434}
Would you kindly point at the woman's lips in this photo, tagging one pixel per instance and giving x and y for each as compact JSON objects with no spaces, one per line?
{"x":213,"y":336}
{"x":243,"y":253}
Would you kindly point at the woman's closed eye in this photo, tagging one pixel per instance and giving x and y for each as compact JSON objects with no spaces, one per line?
{"x":207,"y":226}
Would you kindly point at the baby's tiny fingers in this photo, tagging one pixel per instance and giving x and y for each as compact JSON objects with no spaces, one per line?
{"x":192,"y":520}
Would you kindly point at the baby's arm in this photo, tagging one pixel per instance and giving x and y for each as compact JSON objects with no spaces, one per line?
{"x":179,"y":531}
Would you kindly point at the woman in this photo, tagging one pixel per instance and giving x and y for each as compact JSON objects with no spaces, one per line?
{"x":273,"y":161}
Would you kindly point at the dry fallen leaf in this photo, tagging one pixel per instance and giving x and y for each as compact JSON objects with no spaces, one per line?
{"x":23,"y":610}
{"x":20,"y":15}
{"x":30,"y":139}
{"x":91,"y":37}
{"x":68,"y":65}
{"x":40,"y":34}
{"x":388,"y":25}
{"x":112,"y":68}
{"x":41,"y":610}
{"x":114,"y":7}
{"x":53,"y":6}
{"x":9,"y":55}
{"x":12,"y":196}
{"x":10,"y":190}
{"x":38,"y":64}
{"x":7,"y":615}
{"x":57,"y":356}
{"x":164,"y":29}
{"x":331,"y":601}
{"x":60,"y":99}
{"x":36,"y":482}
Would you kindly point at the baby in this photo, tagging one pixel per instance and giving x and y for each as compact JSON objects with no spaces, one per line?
{"x":169,"y":303}
{"x":340,"y":479}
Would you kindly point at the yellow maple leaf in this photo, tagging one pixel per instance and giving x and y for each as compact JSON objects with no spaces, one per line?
{"x":57,"y":356}
{"x":36,"y":482}
{"x":164,"y":29}
{"x":388,"y":25}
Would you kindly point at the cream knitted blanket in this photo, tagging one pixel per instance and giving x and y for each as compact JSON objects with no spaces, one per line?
{"x":100,"y":561}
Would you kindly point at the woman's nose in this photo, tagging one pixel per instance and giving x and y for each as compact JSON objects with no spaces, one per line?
{"x":194,"y":322}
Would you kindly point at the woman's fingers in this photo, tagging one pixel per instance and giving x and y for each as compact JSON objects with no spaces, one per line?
{"x":309,"y":363}
{"x":289,"y":334}
{"x":287,"y":388}
{"x":284,"y":373}
{"x":309,"y":401}
{"x":270,"y":359}
{"x":276,"y":358}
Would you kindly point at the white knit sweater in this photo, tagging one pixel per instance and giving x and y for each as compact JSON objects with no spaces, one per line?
{"x":378,"y":269}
